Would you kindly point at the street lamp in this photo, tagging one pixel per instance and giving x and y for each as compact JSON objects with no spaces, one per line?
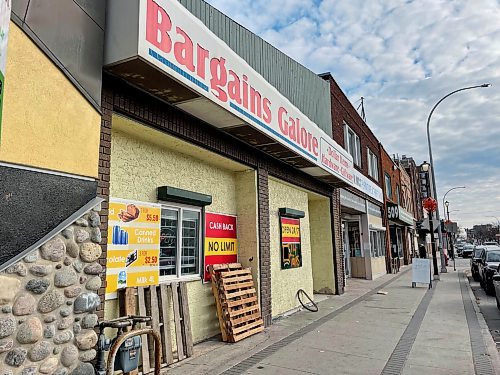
{"x":440,"y":234}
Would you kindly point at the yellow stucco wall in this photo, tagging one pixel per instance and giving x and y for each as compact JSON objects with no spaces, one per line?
{"x":285,"y":283}
{"x":143,"y":159}
{"x":321,"y":246}
{"x":46,"y":122}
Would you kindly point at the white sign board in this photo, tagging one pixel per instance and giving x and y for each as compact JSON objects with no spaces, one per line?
{"x":178,"y":43}
{"x":421,"y":271}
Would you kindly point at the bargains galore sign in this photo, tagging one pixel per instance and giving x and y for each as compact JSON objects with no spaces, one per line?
{"x":175,"y":41}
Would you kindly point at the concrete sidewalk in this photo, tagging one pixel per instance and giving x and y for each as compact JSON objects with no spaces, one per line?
{"x":409,"y":331}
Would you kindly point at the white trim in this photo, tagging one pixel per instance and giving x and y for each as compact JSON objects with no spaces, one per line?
{"x":46,"y":171}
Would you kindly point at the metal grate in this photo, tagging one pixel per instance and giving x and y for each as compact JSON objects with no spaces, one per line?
{"x":398,"y":358}
{"x":248,"y":363}
{"x":482,"y":362}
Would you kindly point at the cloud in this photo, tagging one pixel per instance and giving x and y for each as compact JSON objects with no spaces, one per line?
{"x":402,"y":57}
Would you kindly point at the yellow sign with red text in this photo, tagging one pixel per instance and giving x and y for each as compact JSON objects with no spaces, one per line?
{"x":133,"y":244}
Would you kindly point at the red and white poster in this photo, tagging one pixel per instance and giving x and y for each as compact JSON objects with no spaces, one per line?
{"x":221,"y":241}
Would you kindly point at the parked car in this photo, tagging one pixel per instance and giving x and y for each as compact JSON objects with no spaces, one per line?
{"x":474,"y":262}
{"x":488,"y":266}
{"x":459,"y":248}
{"x":491,"y":243}
{"x":496,"y":284}
{"x":467,"y":250}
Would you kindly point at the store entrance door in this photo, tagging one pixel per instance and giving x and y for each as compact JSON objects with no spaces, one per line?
{"x":347,"y":250}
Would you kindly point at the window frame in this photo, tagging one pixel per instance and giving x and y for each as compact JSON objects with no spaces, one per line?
{"x":356,"y":154}
{"x":372,"y":164}
{"x":388,"y":189}
{"x":180,"y":208}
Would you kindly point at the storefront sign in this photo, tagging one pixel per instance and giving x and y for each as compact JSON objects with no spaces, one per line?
{"x":5,"y":7}
{"x":348,"y":199}
{"x":374,"y":210}
{"x":221,"y":243}
{"x":133,"y":244}
{"x":178,"y":43}
{"x":396,"y":212}
{"x":291,"y":254}
{"x":365,"y":185}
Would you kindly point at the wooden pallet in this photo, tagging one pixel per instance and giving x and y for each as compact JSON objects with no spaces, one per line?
{"x":236,"y":300}
{"x":158,"y":302}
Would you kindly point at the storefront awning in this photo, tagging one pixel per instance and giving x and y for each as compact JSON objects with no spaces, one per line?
{"x":165,"y":50}
{"x":399,"y":215}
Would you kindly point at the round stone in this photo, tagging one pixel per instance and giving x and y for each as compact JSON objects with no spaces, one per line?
{"x":78,"y":265}
{"x":6,"y":345}
{"x":86,"y":340}
{"x":24,"y":304}
{"x":50,"y":301}
{"x":95,"y":235}
{"x":49,"y":331}
{"x":90,"y":252}
{"x":65,"y":323}
{"x":53,"y":250}
{"x":93,"y":269}
{"x":68,"y":233}
{"x":32,"y":370}
{"x":7,"y":309}
{"x":40,"y":351}
{"x":16,"y":357}
{"x":49,"y":318}
{"x":94,"y":283}
{"x":58,"y":267}
{"x":81,"y":235}
{"x":72,"y":292}
{"x":38,"y":286}
{"x":77,"y":328}
{"x":72,"y":249}
{"x":63,"y":337}
{"x":89,"y":321}
{"x":56,"y":350}
{"x":83,"y":369}
{"x":86,"y":302}
{"x":60,"y":371}
{"x":67,"y":261}
{"x":65,"y":277}
{"x":18,"y":269}
{"x":83,"y":279}
{"x":87,"y":355}
{"x":49,"y":366}
{"x":7,"y":327}
{"x":6,"y":371}
{"x":9,"y":289}
{"x":69,"y":355}
{"x":94,"y":219}
{"x":82,"y":222}
{"x":65,"y":312}
{"x":40,"y":270}
{"x":31,"y":257}
{"x":30,"y":331}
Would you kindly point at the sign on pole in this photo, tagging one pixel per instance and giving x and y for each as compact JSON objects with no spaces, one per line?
{"x":5,"y":7}
{"x":421,"y":272}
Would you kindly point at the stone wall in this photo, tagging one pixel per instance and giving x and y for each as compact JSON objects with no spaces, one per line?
{"x":47,"y":304}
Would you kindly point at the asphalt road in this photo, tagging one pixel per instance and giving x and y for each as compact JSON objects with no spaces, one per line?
{"x":487,"y":304}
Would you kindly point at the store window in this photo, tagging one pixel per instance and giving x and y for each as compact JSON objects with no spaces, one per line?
{"x":180,"y":242}
{"x":377,"y":240}
{"x":388,"y":186}
{"x":398,"y":195}
{"x":352,"y":144}
{"x":354,"y":239}
{"x":372,"y":165}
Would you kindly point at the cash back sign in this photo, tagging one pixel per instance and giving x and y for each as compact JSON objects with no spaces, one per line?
{"x":221,"y":243}
{"x":291,"y":255}
{"x":133,"y":244}
{"x":5,"y":7}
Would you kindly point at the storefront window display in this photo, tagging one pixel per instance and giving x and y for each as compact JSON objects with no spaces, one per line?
{"x":180,"y":241}
{"x":377,"y":240}
{"x":354,"y":239}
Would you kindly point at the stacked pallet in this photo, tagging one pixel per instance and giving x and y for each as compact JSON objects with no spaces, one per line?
{"x":236,"y":299}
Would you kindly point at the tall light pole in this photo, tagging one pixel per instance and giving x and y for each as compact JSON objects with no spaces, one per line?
{"x":440,"y":234}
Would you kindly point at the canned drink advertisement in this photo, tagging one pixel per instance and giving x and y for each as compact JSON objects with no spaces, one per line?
{"x":133,"y":244}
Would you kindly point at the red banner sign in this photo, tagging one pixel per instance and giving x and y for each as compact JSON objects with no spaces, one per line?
{"x":221,"y":243}
{"x":291,"y":254}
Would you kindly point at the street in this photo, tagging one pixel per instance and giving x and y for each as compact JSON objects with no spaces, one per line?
{"x":402,"y":330}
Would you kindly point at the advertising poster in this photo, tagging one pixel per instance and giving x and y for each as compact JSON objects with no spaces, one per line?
{"x":133,"y":244}
{"x":291,"y":255}
{"x":221,"y":241}
{"x":5,"y":7}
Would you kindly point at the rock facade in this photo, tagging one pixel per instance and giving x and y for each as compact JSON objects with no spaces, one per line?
{"x":47,"y":304}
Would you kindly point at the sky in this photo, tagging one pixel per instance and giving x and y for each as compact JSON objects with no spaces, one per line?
{"x":402,"y":57}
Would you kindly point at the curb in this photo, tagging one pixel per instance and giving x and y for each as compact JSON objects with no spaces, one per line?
{"x":491,"y":346}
